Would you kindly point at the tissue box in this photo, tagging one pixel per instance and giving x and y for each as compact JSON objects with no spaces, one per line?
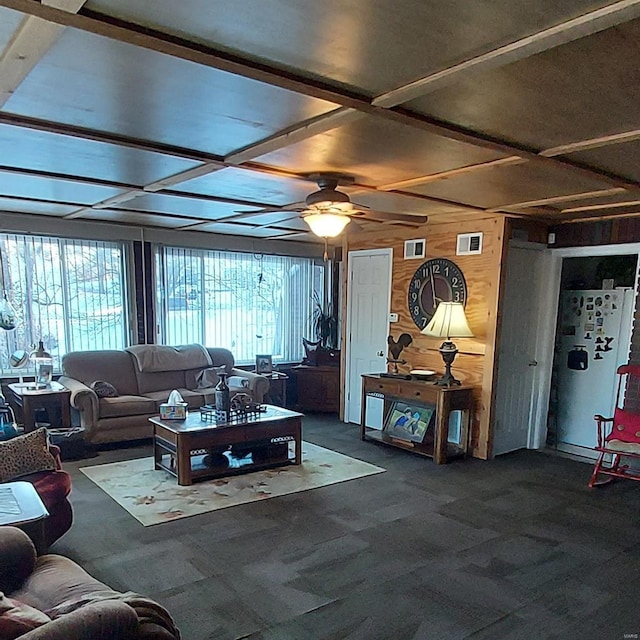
{"x":173,"y":411}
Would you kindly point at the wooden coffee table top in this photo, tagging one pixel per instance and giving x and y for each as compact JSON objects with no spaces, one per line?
{"x":193,"y":421}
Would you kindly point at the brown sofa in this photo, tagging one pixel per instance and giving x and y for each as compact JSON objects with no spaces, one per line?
{"x":143,"y":376}
{"x":52,"y":598}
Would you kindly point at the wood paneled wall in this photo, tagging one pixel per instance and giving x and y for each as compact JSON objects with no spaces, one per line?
{"x":475,"y":362}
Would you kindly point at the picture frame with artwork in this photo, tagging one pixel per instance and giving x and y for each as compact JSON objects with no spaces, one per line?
{"x":264,"y":364}
{"x":409,"y":422}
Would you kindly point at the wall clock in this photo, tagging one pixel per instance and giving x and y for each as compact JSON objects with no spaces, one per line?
{"x":437,"y":280}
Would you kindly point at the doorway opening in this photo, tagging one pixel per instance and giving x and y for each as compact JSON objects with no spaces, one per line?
{"x":593,"y":337}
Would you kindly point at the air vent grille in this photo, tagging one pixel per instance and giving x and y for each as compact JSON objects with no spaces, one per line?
{"x":415,"y":249}
{"x":469,"y":244}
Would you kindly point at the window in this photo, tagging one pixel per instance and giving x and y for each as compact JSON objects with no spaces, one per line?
{"x":250,"y":304}
{"x":68,"y":293}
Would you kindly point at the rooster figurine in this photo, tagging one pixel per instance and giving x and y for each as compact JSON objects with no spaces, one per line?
{"x":396,"y":348}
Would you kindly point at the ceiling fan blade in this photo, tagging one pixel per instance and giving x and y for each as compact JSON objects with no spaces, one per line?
{"x":294,"y":206}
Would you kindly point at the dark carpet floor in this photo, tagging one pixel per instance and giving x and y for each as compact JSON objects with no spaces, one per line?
{"x":514,"y":548}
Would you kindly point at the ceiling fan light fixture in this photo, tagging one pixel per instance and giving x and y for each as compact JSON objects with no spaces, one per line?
{"x":326,"y":225}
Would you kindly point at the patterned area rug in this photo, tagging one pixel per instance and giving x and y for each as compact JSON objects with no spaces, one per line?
{"x":153,"y":497}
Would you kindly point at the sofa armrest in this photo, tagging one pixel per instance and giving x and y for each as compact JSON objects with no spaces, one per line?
{"x":84,"y":399}
{"x":258,"y":385}
{"x":109,"y":620}
{"x":18,"y":558}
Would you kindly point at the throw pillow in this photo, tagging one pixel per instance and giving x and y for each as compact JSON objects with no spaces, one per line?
{"x":25,"y":454}
{"x":17,"y":618}
{"x":104,"y":389}
{"x":208,"y":378}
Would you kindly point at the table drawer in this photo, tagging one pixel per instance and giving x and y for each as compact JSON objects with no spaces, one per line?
{"x":383,"y":385}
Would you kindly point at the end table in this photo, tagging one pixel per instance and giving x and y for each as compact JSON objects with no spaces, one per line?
{"x":27,"y":401}
{"x":277,"y":393}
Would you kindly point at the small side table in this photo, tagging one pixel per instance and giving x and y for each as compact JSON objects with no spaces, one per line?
{"x":28,"y":400}
{"x":21,"y":506}
{"x":277,"y":393}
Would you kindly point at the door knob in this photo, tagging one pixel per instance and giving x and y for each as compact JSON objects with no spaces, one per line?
{"x":380,"y":353}
{"x":533,"y":363}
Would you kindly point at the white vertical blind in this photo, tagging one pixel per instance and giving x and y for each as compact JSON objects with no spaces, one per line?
{"x":68,"y":293}
{"x":251,"y":304}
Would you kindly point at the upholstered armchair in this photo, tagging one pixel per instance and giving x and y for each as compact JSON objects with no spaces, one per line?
{"x":52,"y":598}
{"x":31,"y":459}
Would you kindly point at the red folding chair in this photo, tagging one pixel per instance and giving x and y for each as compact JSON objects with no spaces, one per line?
{"x":619,"y":437}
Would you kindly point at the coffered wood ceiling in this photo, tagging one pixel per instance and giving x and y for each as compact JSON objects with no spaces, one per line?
{"x":193,"y":114}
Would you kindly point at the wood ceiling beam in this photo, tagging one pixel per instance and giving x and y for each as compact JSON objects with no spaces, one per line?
{"x":600,"y":207}
{"x":137,"y":35}
{"x":584,"y":195}
{"x":560,"y":34}
{"x":593,"y":143}
{"x":297,"y":133}
{"x":160,"y":42}
{"x":85,"y":133}
{"x":184,"y":176}
{"x":31,"y":41}
{"x":483,"y":166}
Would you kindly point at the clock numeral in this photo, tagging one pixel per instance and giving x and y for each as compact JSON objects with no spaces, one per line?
{"x":423,"y":322}
{"x":446,"y":271}
{"x":436,"y":268}
{"x":414,"y":296}
{"x":416,"y":310}
{"x":456,"y":296}
{"x":454,"y":281}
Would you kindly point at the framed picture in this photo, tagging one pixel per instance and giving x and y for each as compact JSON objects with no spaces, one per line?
{"x":405,"y":421}
{"x":264,"y":364}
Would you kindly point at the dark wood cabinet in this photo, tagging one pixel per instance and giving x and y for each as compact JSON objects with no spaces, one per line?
{"x":318,"y":388}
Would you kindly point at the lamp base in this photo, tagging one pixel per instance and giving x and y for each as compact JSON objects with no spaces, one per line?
{"x":448,"y":351}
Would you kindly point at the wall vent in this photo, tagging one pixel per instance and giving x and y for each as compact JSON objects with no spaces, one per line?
{"x":469,"y":244}
{"x":415,"y":249}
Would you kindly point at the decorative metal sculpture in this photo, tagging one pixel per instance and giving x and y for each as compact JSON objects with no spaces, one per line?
{"x":396,"y":348}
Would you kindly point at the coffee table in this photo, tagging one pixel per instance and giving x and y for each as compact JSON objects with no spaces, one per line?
{"x":21,"y":506}
{"x":181,"y":446}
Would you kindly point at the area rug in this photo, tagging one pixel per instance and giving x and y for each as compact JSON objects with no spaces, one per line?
{"x":153,"y":497}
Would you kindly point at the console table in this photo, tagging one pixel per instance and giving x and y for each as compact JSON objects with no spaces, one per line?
{"x":420,"y":393}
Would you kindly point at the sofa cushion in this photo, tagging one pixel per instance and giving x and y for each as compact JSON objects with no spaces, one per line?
{"x":126,"y":406}
{"x":194,"y":399}
{"x":208,"y":378}
{"x":104,"y":389}
{"x":17,"y":618}
{"x":25,"y":454}
{"x":159,"y":381}
{"x":112,"y":366}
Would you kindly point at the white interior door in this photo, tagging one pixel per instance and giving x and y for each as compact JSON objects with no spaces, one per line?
{"x":516,"y":408}
{"x":369,"y":299}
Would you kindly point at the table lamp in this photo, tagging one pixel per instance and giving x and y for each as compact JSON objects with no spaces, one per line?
{"x":43,"y":363}
{"x":448,"y":322}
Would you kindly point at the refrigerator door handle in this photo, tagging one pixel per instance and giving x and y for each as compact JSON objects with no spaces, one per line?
{"x":533,"y":363}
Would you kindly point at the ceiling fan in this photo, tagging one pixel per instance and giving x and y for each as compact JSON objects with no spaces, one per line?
{"x":328,"y":211}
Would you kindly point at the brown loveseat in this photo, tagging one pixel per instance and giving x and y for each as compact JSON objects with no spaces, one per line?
{"x":143,"y":376}
{"x":52,"y":598}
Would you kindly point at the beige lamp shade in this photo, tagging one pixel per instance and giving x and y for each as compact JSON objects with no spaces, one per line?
{"x":327,"y":225}
{"x":448,"y":321}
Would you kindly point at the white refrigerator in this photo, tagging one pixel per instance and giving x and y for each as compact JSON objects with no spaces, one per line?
{"x":594,"y":338}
